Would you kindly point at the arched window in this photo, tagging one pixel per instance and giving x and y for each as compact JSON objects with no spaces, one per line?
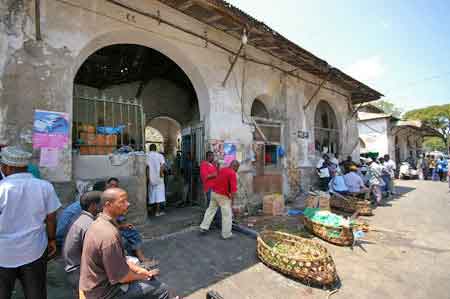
{"x":326,"y":129}
{"x":259,"y":109}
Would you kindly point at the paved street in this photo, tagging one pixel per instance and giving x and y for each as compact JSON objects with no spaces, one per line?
{"x":408,"y":256}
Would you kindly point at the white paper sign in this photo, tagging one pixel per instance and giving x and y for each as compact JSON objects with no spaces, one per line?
{"x":49,"y":157}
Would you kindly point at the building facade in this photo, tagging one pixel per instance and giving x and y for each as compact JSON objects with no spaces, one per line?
{"x":204,"y":71}
{"x":384,"y":134}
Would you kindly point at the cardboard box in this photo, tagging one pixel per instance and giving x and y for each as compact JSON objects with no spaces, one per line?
{"x":321,"y":201}
{"x":273,"y":205}
{"x":88,"y":138}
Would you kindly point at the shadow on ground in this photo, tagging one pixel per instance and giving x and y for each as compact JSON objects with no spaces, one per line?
{"x":188,"y":262}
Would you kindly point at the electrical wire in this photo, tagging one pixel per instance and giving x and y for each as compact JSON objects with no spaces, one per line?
{"x":217,"y":44}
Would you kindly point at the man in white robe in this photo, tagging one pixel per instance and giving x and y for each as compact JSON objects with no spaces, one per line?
{"x":156,"y":191}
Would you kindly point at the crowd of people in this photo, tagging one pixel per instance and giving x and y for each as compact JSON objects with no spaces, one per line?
{"x":102,"y":252}
{"x":369,"y":179}
{"x":433,"y":167}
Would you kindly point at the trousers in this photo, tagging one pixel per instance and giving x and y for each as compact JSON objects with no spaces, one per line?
{"x":32,"y":276}
{"x":218,"y":200}
{"x":148,"y":289}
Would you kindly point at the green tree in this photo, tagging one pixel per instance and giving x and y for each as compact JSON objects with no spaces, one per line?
{"x":434,"y":144}
{"x":388,"y":108}
{"x":437,"y":117}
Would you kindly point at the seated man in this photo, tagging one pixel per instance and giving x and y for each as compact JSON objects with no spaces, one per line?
{"x":65,"y":219}
{"x":355,"y":183}
{"x":73,"y":244}
{"x":132,"y":238}
{"x":105,"y":271}
{"x":337,"y":185}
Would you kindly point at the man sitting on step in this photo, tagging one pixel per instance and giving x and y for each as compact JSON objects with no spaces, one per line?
{"x":105,"y":271}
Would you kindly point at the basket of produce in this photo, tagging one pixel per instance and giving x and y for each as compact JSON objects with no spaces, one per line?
{"x":329,"y":227}
{"x":302,"y":259}
{"x":351,"y":204}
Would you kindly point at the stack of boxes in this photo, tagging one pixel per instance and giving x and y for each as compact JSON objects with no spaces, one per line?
{"x":95,"y":144}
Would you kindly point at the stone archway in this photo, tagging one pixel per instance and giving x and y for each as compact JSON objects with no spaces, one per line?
{"x":327,"y":131}
{"x":161,"y":45}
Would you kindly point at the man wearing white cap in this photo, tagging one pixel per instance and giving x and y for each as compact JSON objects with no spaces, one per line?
{"x":27,"y":226}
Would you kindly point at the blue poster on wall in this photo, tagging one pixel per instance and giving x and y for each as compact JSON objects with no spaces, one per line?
{"x":229,"y":150}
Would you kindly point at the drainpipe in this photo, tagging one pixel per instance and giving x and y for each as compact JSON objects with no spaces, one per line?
{"x":37,"y":8}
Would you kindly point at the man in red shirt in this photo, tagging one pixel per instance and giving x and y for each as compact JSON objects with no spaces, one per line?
{"x":208,"y":175}
{"x":223,"y":193}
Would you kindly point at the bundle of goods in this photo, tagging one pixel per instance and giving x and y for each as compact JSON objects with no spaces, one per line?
{"x":273,"y":205}
{"x":329,"y":227}
{"x":351,"y":204}
{"x":303,"y":259}
{"x":319,"y":200}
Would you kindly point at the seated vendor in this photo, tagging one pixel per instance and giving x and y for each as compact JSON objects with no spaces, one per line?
{"x":131,"y":237}
{"x":73,"y":243}
{"x":355,"y":183}
{"x":337,"y":185}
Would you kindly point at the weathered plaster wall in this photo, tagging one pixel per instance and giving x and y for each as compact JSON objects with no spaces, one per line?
{"x":33,"y":75}
{"x":40,"y":75}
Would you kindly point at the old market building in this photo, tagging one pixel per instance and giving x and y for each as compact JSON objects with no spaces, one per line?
{"x":382,"y":133}
{"x":199,"y":73}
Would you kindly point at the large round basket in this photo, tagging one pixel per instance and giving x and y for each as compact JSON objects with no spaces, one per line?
{"x":352,"y":205}
{"x":311,"y":263}
{"x":342,"y":236}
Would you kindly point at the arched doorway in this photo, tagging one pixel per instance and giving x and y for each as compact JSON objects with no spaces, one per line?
{"x":326,"y":130}
{"x":165,"y":132}
{"x":259,"y":109}
{"x":153,"y":136}
{"x":266,"y":144}
{"x":121,"y":88}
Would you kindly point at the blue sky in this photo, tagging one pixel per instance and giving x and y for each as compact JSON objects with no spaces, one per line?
{"x":401,"y":48}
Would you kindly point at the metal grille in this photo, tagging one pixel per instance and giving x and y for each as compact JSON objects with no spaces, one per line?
{"x":91,"y":113}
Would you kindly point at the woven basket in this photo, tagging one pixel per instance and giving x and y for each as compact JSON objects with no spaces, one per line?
{"x":352,"y":204}
{"x":342,"y":236}
{"x":312,"y":264}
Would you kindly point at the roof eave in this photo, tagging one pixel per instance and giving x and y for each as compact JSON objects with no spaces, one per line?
{"x":231,"y":20}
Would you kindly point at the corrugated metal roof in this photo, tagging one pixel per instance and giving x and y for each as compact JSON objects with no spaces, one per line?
{"x":231,"y":20}
{"x":370,"y":116}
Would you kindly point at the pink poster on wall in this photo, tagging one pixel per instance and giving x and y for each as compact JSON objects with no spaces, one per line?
{"x":229,"y":153}
{"x":50,"y":129}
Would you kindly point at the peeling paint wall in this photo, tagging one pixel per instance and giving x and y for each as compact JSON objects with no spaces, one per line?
{"x":39,"y":75}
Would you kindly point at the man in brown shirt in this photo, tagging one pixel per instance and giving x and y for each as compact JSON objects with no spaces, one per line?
{"x":105,"y":271}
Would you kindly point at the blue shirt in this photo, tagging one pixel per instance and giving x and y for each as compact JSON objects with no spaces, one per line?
{"x":67,"y":217}
{"x":337,"y":184}
{"x":25,"y":203}
{"x":442,"y":165}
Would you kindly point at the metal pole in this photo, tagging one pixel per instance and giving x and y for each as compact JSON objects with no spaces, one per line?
{"x":104,"y":112}
{"x":143,"y":127}
{"x":75,"y":118}
{"x":136,"y":127}
{"x":232,"y":64}
{"x":121,"y":123}
{"x":128,"y":122}
{"x":37,"y":7}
